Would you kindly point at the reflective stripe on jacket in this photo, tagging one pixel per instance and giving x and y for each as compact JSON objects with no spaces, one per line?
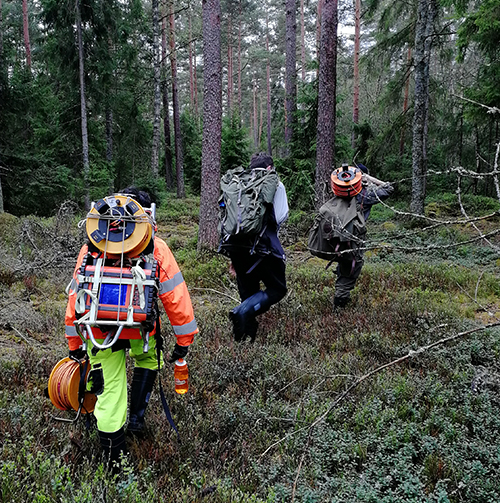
{"x":173,"y":294}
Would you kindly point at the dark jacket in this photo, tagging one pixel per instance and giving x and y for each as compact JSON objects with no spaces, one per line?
{"x":264,"y":245}
{"x":368,"y":197}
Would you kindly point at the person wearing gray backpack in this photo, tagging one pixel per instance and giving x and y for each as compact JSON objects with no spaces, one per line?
{"x":253,"y":205}
{"x":339,"y":230}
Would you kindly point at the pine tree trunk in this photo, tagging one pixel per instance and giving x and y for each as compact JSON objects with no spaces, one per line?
{"x":191,"y":70}
{"x":1,"y":37}
{"x":212,"y":125}
{"x":239,"y":58}
{"x":302,"y":41}
{"x":318,"y":31}
{"x":291,"y":73}
{"x":355,"y":98}
{"x":83,"y":108}
{"x":255,"y":119}
{"x":325,"y":145}
{"x":179,"y":160}
{"x":156,"y":91}
{"x":268,"y":86}
{"x":423,"y":40}
{"x":229,"y":67}
{"x":195,"y":83}
{"x":27,"y":45}
{"x":167,"y":164}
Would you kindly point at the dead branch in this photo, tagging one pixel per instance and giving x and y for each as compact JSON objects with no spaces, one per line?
{"x":363,"y":378}
{"x":216,"y":291}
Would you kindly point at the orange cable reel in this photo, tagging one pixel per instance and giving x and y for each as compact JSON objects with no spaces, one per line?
{"x":346,"y":181}
{"x":64,"y":383}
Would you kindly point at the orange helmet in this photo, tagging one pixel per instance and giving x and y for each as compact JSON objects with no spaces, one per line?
{"x":346,"y":181}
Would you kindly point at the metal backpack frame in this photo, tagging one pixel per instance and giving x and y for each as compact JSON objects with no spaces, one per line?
{"x":88,"y":299}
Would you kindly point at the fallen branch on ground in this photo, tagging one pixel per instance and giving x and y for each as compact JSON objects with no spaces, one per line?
{"x":361,"y":379}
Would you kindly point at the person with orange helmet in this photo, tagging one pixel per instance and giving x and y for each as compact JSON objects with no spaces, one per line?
{"x":108,"y":378}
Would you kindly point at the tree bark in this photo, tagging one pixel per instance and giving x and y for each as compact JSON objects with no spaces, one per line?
{"x":26,"y":31}
{"x":229,"y":66}
{"x":167,"y":163}
{"x":269,"y":145}
{"x":423,"y":43}
{"x":212,"y":125}
{"x":255,"y":117}
{"x":355,"y":98}
{"x":291,"y":73}
{"x":156,"y":91}
{"x":325,"y":144}
{"x":83,"y":108}
{"x":179,"y":158}
{"x":302,"y":41}
{"x":239,"y":59}
{"x":318,"y":30}
{"x":405,"y":104}
{"x":191,"y":70}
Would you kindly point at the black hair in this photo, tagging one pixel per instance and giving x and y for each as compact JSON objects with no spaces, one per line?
{"x":141,"y":196}
{"x":261,"y":160}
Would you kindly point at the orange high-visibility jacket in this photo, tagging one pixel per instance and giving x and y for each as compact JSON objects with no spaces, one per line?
{"x":173,"y":293}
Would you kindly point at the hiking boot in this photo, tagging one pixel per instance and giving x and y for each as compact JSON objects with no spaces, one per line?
{"x":114,"y":447}
{"x":238,"y":324}
{"x":142,"y":386}
{"x":340,"y":302}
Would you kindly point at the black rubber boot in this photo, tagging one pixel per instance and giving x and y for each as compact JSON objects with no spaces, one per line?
{"x":340,"y":302}
{"x":142,"y":386}
{"x":243,"y":316}
{"x":113,"y":446}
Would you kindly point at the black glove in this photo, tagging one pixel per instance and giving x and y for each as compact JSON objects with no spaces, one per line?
{"x":78,"y":353}
{"x":178,"y":352}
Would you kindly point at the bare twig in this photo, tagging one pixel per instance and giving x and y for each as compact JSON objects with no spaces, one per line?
{"x":216,"y":291}
{"x":353,"y":386}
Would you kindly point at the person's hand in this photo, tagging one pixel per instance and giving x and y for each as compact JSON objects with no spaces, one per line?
{"x":78,"y":353}
{"x":178,"y":352}
{"x":232,"y":271}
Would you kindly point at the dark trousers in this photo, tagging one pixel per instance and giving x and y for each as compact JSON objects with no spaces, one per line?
{"x":252,"y":269}
{"x":347,"y":275}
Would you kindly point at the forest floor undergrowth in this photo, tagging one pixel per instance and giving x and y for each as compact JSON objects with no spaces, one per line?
{"x":290,"y":418}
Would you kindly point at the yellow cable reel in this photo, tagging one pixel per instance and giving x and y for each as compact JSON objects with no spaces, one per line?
{"x":119,"y":225}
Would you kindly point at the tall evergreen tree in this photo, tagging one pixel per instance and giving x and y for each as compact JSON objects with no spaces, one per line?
{"x":325,"y":145}
{"x":212,"y":124}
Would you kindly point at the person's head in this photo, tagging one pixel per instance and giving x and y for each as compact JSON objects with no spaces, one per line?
{"x":261,"y":160}
{"x":362,"y":167}
{"x":142,"y":197}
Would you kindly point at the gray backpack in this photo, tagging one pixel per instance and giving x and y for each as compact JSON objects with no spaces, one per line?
{"x":245,"y":194}
{"x":339,"y":230}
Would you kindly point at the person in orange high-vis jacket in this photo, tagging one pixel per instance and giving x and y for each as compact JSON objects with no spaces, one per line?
{"x":107,"y":378}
